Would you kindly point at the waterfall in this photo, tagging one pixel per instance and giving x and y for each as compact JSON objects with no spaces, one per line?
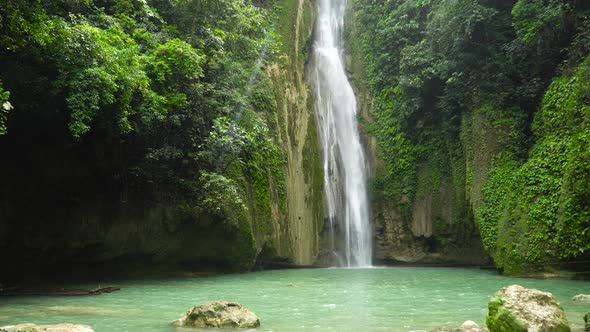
{"x":345,"y":174}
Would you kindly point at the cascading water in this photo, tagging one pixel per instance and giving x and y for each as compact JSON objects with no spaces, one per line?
{"x":343,"y":157}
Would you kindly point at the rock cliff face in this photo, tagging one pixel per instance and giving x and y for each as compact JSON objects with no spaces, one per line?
{"x":438,"y":225}
{"x":65,"y":216}
{"x":466,"y":166}
{"x":299,"y":236}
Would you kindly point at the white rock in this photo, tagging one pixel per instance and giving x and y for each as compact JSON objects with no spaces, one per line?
{"x":582,"y":298}
{"x":46,"y":328}
{"x":469,"y":324}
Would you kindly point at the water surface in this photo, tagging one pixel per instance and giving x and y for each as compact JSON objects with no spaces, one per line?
{"x":373,"y":299}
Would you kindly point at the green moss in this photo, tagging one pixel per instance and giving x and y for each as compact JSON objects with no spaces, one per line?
{"x":454,"y":104}
{"x":502,"y":320}
{"x":314,"y":176}
{"x":537,"y":212}
{"x":286,"y":10}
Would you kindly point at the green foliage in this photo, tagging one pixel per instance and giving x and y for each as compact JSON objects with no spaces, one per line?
{"x":5,"y":108}
{"x":225,"y":143}
{"x":112,"y":80}
{"x":222,"y":198}
{"x":457,"y":85}
{"x":498,"y":193}
{"x":545,"y":199}
{"x":428,"y":61}
{"x":532,"y":17}
{"x":175,"y":65}
{"x":397,"y":149}
{"x":169,"y":98}
{"x":23,"y":23}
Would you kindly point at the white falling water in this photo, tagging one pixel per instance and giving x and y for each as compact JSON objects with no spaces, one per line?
{"x":344,"y":162}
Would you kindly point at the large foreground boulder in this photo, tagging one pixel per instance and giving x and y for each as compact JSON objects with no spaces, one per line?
{"x":222,"y":314}
{"x":518,"y":309}
{"x":46,"y":328}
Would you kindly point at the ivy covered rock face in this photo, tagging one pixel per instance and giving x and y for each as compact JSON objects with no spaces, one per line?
{"x":515,"y":308}
{"x":46,"y":328}
{"x":222,"y":314}
{"x":481,"y":130}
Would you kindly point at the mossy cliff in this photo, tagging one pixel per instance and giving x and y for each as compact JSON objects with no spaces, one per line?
{"x":436,"y":225}
{"x":299,"y":236}
{"x":480,"y":114}
{"x":535,"y":210}
{"x":225,"y":176}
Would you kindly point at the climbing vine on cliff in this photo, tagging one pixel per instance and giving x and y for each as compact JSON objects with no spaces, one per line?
{"x":491,"y":96}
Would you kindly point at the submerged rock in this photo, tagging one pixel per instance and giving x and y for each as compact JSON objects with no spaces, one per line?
{"x":587,"y":322}
{"x":46,"y":328}
{"x":518,"y":309}
{"x":582,"y":298}
{"x":91,"y":310}
{"x":467,"y":326}
{"x":219,"y":314}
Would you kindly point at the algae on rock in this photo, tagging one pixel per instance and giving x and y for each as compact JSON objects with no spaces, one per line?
{"x":298,"y":237}
{"x":433,"y":224}
{"x":221,"y":314}
{"x":518,"y":309}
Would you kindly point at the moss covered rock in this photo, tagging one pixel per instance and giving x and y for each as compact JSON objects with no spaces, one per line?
{"x":518,"y":309}
{"x":587,"y":322}
{"x":221,"y":314}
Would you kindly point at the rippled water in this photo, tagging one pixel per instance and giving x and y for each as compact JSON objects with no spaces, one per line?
{"x":376,"y":299}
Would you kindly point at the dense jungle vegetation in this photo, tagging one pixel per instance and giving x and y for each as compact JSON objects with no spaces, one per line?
{"x":121,"y":106}
{"x":496,"y":96}
{"x":142,"y":103}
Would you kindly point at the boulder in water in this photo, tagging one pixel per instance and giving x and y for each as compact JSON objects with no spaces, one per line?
{"x":518,"y":309}
{"x":222,"y":314}
{"x":587,"y":322}
{"x":46,"y":328}
{"x":581,"y":298}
